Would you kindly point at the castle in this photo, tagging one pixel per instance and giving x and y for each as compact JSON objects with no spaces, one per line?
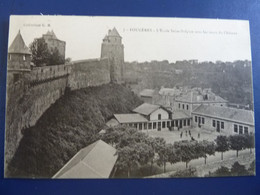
{"x":113,"y":49}
{"x":31,"y":90}
{"x":54,"y":43}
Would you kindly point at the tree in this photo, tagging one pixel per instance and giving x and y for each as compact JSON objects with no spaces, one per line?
{"x":40,"y":52}
{"x":220,"y":172}
{"x":127,"y":159}
{"x":222,"y":144}
{"x":167,"y":153}
{"x":237,"y":142}
{"x":55,"y":58}
{"x":187,"y":150}
{"x":207,"y":148}
{"x":42,"y":56}
{"x":132,"y":156}
{"x":251,"y":169}
{"x":250,"y":142}
{"x":238,"y":170}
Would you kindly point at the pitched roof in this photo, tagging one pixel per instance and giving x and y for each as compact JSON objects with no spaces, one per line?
{"x":18,"y":45}
{"x":147,"y":93}
{"x":179,"y":115}
{"x":130,"y":118}
{"x":52,"y":34}
{"x":94,"y":161}
{"x":113,"y":32}
{"x":169,"y":91}
{"x":146,"y":108}
{"x":193,"y":96}
{"x":232,"y":114}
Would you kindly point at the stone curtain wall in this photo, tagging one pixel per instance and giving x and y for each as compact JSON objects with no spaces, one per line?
{"x":33,"y":94}
{"x":87,"y":73}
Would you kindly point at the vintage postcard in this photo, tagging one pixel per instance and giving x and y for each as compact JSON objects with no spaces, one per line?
{"x":128,"y":97}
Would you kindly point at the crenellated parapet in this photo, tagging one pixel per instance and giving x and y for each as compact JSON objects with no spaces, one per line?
{"x":32,"y":90}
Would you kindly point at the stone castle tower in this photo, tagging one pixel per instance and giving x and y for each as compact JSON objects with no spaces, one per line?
{"x":113,"y":49}
{"x":54,"y":43}
{"x":19,"y":59}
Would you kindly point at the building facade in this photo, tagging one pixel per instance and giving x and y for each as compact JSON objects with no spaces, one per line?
{"x":224,"y":119}
{"x":152,"y":117}
{"x":54,"y":43}
{"x":113,"y":49}
{"x":192,"y":98}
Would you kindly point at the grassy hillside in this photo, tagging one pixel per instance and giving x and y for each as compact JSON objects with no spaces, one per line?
{"x":67,"y":126}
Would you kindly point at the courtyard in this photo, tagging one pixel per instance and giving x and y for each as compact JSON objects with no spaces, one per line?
{"x":183,"y":134}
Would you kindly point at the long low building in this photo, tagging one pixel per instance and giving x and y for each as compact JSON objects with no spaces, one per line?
{"x":94,"y":161}
{"x":224,"y":119}
{"x":149,"y":116}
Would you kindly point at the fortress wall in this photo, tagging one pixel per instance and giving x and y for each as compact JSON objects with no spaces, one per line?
{"x":37,"y":90}
{"x":29,"y":98}
{"x":87,"y":73}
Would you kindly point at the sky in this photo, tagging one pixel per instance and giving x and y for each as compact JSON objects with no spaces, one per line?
{"x":144,"y":39}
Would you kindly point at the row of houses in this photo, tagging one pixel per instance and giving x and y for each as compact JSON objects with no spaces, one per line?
{"x":210,"y":117}
{"x":149,"y":116}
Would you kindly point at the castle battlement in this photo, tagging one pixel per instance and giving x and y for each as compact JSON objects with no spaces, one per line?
{"x":31,"y":91}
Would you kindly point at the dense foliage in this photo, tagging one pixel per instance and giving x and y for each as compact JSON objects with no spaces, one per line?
{"x":42,"y":56}
{"x":230,"y":80}
{"x":236,"y":170}
{"x":234,"y":142}
{"x":70,"y":124}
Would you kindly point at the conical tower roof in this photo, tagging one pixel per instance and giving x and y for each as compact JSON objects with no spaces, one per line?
{"x":18,"y":45}
{"x":52,"y":34}
{"x":113,"y":32}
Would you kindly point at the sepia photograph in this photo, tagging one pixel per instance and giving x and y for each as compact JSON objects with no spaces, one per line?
{"x":128,"y":97}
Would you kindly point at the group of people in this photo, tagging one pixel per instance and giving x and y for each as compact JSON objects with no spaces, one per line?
{"x":186,"y":134}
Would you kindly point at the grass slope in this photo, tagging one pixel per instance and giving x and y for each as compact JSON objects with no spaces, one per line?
{"x":67,"y":126}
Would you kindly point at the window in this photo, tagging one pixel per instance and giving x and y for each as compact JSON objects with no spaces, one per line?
{"x":235,"y":128}
{"x":10,"y":56}
{"x":150,"y":126}
{"x":196,"y":119}
{"x":245,"y":130}
{"x":188,"y":122}
{"x":183,"y":106}
{"x":176,"y":123}
{"x":240,"y":129}
{"x":170,"y":116}
{"x":24,"y":58}
{"x":203,"y":120}
{"x":163,"y":124}
{"x":222,"y":125}
{"x":135,"y":125}
{"x":140,"y":126}
{"x":184,"y":122}
{"x":154,"y":125}
{"x":179,"y":105}
{"x":168,"y":123}
{"x":214,"y":123}
{"x":172,"y":123}
{"x":159,"y":116}
{"x":145,"y":125}
{"x":187,"y":107}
